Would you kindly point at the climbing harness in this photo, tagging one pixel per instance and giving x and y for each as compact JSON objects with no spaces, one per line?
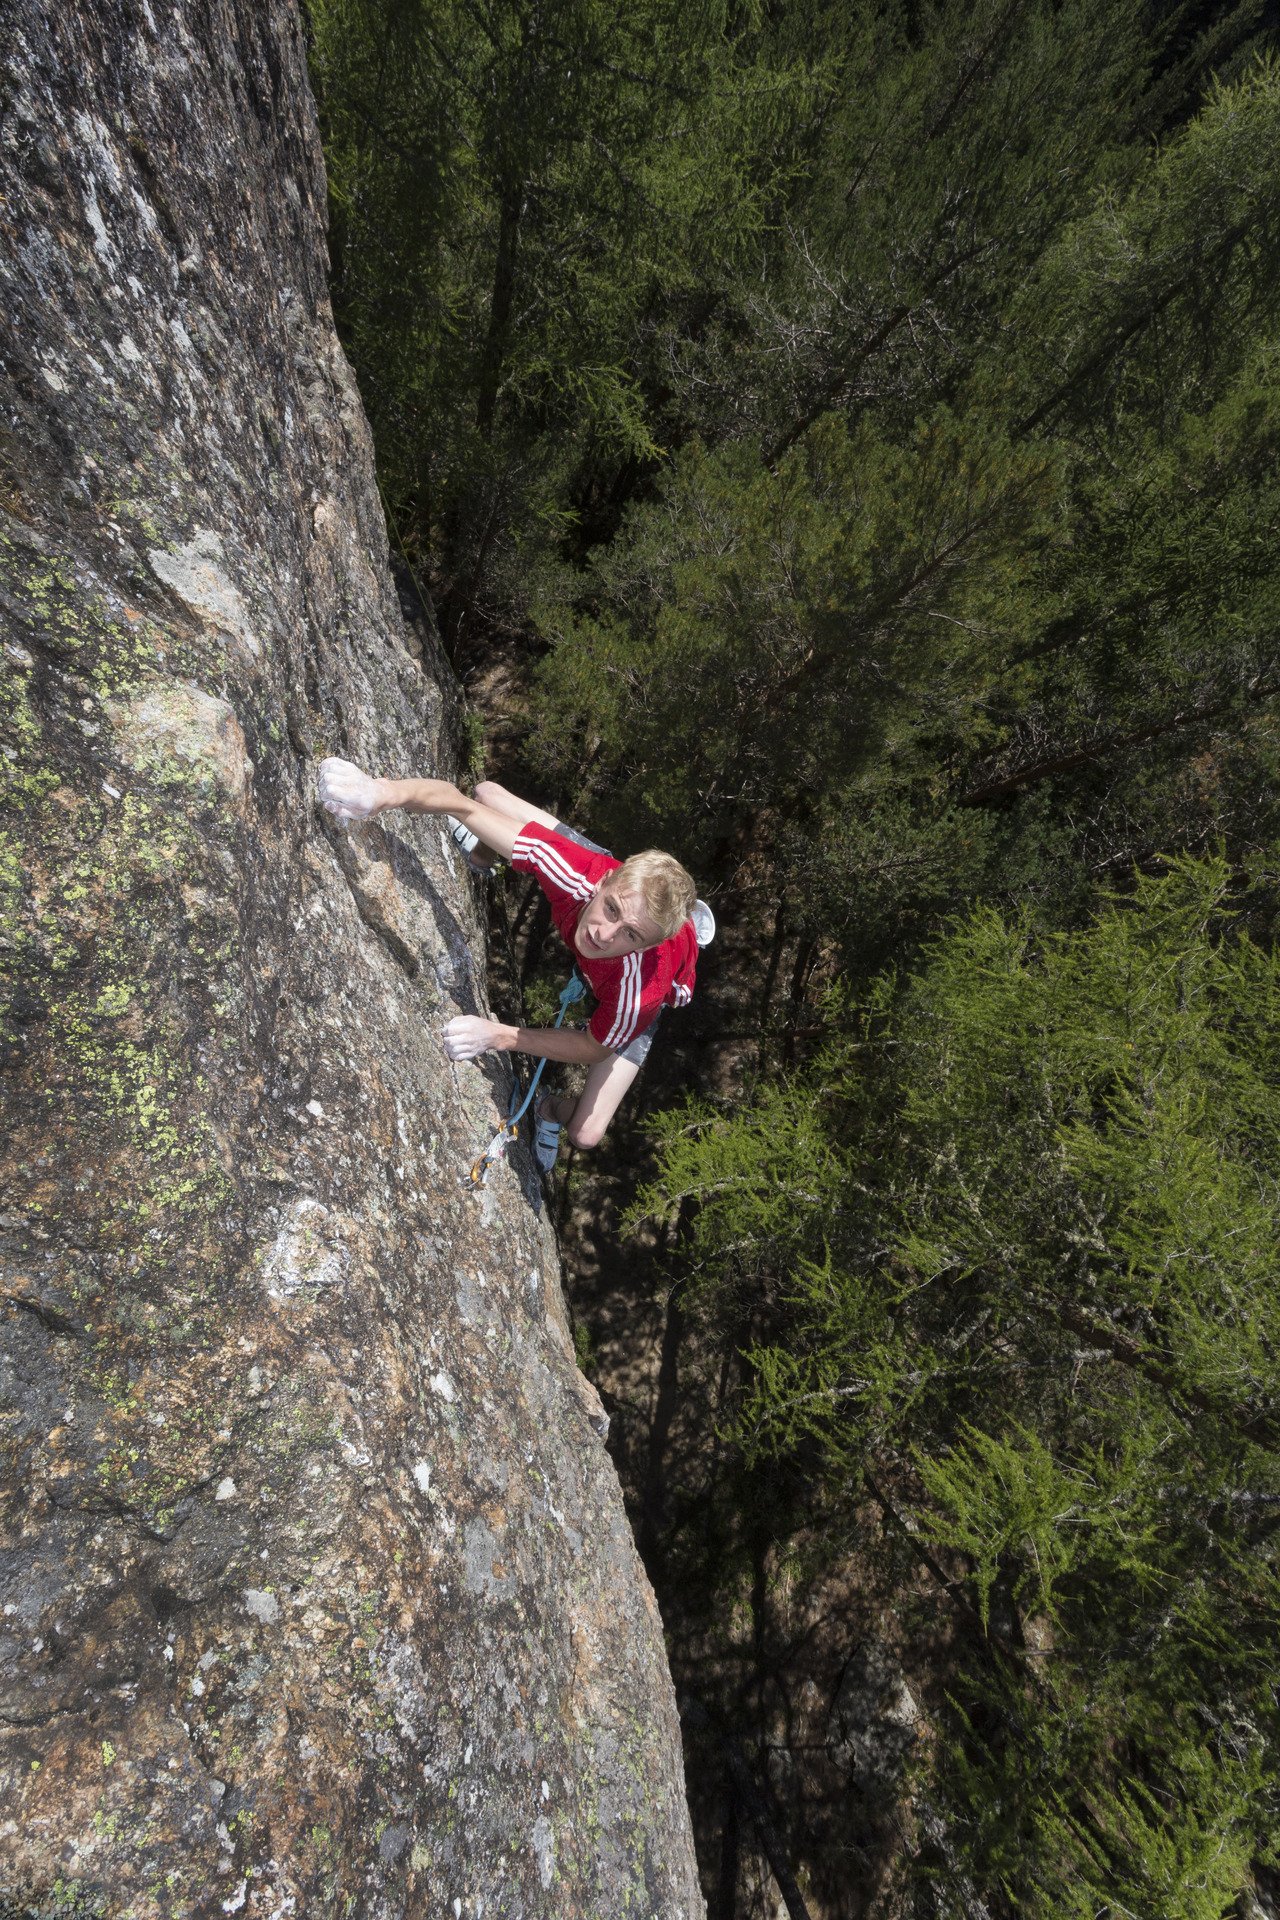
{"x":573,"y":990}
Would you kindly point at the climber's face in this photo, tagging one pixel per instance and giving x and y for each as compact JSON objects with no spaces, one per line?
{"x":612,"y":924}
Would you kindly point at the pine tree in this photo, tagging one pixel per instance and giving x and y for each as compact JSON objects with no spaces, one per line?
{"x":1030,"y":1283}
{"x":521,"y":190}
{"x":971,"y":655}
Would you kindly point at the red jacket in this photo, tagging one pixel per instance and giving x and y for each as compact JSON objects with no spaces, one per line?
{"x":631,"y":990}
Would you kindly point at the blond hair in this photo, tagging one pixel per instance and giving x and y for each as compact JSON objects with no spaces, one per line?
{"x":661,"y":884}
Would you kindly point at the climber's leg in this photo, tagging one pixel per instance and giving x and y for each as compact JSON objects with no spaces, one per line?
{"x":586,"y":1119}
{"x":607,"y":1084}
{"x":490,"y":794}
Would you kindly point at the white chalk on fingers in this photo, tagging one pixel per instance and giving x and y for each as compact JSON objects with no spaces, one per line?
{"x":348,"y":793}
{"x":466,"y":1036}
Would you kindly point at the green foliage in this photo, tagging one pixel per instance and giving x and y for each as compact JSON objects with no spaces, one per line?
{"x":1155,"y":1856}
{"x":946,"y":654}
{"x":1156,"y":292}
{"x":755,"y":1173}
{"x":1136,"y":1150}
{"x":935,"y":356}
{"x":763,"y":636}
{"x":517,"y":189}
{"x":1001,"y":1499}
{"x":953,"y":146}
{"x":1043,"y":1289}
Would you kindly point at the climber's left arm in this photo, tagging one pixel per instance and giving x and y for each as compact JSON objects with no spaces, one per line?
{"x":468,"y":1035}
{"x":350,"y":794}
{"x":495,"y":830}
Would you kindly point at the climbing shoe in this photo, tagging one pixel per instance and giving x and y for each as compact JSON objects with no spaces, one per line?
{"x":546,"y":1141}
{"x":468,"y":842}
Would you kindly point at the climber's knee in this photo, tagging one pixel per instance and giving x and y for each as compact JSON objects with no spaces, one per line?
{"x":587,"y":1132}
{"x":490,"y":794}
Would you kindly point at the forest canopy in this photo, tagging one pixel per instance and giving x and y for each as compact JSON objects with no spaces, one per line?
{"x":863,"y":422}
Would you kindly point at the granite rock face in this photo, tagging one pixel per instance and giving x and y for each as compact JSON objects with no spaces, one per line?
{"x":317,"y":1592}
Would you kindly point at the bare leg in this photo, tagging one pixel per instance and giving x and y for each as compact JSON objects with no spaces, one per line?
{"x":587,"y":1118}
{"x":490,"y":794}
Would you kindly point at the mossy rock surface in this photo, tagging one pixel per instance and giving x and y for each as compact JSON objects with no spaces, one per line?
{"x":317,"y":1592}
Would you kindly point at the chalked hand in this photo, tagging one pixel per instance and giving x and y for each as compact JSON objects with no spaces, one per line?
{"x":346,"y":792}
{"x":466,"y":1036}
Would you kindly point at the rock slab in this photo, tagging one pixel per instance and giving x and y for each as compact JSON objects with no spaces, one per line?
{"x":317,"y":1592}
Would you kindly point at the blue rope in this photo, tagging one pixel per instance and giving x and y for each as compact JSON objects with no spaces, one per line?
{"x":573,"y":990}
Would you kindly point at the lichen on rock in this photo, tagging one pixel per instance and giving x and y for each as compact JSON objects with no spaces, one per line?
{"x":316,"y":1592}
{"x":178,"y":735}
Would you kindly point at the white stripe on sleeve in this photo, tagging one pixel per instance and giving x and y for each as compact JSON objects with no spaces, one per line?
{"x":547,"y":862}
{"x":628,"y":1007}
{"x":624,"y":1021}
{"x":557,"y":867}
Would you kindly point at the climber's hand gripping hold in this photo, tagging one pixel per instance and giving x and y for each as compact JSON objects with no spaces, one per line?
{"x":350,"y":794}
{"x":346,"y":792}
{"x":467,"y":1036}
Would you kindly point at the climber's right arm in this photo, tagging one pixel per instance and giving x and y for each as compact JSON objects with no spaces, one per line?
{"x":350,"y":794}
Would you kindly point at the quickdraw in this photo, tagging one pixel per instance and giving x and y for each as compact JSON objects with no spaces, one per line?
{"x":494,"y":1152}
{"x":502,"y":1139}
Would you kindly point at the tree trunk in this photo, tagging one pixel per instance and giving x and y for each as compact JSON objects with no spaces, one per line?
{"x":493,"y":357}
{"x":1038,"y":770}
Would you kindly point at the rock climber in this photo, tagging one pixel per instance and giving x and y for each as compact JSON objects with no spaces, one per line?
{"x":633,"y":927}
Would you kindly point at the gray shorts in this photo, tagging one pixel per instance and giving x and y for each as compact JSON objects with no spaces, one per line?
{"x":637,"y":1051}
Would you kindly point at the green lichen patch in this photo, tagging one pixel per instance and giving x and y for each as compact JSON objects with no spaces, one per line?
{"x":177,"y":736}
{"x":11,"y":890}
{"x":163,"y":1439}
{"x":111,"y":1082}
{"x":63,"y":1899}
{"x":63,"y":614}
{"x":113,"y":1156}
{"x":300,"y":1423}
{"x":93,"y":890}
{"x":20,"y":726}
{"x":75,"y":849}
